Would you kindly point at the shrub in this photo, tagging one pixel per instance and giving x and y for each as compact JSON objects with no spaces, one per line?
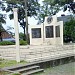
{"x":6,"y":43}
{"x":22,"y":42}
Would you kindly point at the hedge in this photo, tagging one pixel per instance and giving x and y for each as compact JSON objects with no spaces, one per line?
{"x":22,"y":42}
{"x":6,"y":43}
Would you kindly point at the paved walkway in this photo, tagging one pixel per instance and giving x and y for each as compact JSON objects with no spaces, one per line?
{"x":66,"y":69}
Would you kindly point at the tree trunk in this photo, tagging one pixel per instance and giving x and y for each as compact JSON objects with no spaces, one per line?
{"x":24,"y":38}
{"x":0,"y":36}
{"x":27,"y":36}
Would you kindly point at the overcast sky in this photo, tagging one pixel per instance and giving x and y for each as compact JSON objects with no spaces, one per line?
{"x":31,"y":20}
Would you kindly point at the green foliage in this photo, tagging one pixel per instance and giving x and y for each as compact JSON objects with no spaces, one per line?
{"x":69,"y":29}
{"x":2,"y":21}
{"x":60,"y":2}
{"x":22,"y":42}
{"x":51,"y":7}
{"x":6,"y":43}
{"x":47,"y":9}
{"x":21,"y":36}
{"x":2,"y":17}
{"x":64,"y":3}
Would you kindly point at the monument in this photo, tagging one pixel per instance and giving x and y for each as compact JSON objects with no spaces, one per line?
{"x":50,"y":32}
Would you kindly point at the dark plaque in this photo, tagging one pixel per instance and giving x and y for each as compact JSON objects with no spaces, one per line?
{"x":49,"y":31}
{"x":58,"y":31}
{"x":36,"y":32}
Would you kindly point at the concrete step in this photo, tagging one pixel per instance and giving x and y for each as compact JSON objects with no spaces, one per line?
{"x":21,"y":70}
{"x":27,"y":69}
{"x":33,"y":71}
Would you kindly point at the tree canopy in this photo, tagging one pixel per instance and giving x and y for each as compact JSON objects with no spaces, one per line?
{"x":32,"y":8}
{"x":60,"y":2}
{"x":69,"y":30}
{"x":51,"y":7}
{"x":65,"y":3}
{"x":47,"y":10}
{"x":2,"y":21}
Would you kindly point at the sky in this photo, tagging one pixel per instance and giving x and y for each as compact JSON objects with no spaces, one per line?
{"x":31,"y":20}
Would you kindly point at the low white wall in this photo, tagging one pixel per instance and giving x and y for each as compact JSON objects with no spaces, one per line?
{"x":35,"y":53}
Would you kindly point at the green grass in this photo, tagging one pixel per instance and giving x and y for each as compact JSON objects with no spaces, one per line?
{"x":7,"y":63}
{"x":16,"y":74}
{"x":4,"y":73}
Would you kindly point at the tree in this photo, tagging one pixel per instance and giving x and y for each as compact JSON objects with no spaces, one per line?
{"x":69,"y":30}
{"x":47,"y":10}
{"x":51,"y":7}
{"x":65,"y":3}
{"x":71,"y":7}
{"x":2,"y":20}
{"x":32,"y":8}
{"x":60,"y":2}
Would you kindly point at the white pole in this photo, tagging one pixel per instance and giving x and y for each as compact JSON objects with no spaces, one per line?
{"x":16,"y":34}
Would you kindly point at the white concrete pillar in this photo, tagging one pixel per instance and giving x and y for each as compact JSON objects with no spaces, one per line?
{"x":61,"y":32}
{"x":54,"y":28}
{"x":54,"y":34}
{"x":16,"y":34}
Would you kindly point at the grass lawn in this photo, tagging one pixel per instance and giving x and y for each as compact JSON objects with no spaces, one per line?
{"x":6,"y":63}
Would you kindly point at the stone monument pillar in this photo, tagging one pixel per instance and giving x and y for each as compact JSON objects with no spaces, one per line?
{"x":16,"y":34}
